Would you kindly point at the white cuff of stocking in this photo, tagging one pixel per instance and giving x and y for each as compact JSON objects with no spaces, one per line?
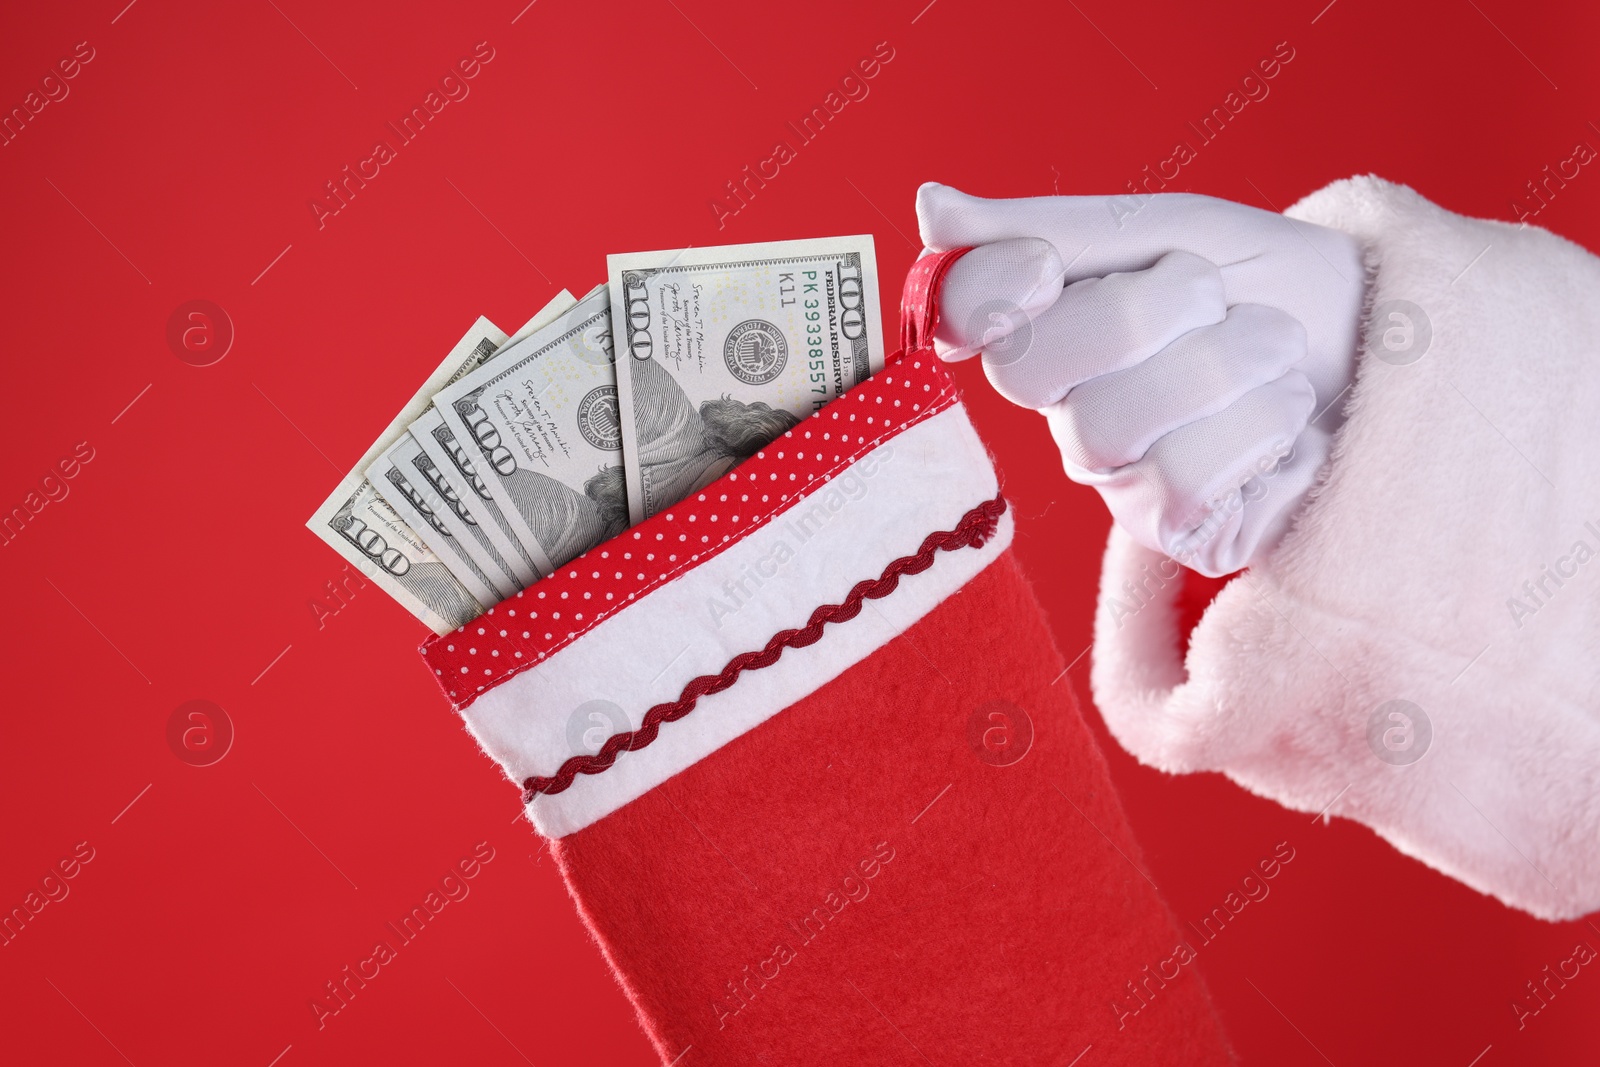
{"x":922,"y":481}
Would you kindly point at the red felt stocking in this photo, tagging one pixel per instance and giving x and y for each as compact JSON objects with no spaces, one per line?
{"x":812,"y":773}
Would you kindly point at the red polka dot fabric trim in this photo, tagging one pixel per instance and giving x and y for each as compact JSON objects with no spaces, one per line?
{"x":526,"y":629}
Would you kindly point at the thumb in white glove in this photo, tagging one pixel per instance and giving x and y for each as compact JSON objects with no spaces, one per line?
{"x":1189,"y":357}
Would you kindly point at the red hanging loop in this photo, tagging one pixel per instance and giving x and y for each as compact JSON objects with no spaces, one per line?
{"x":919,"y":301}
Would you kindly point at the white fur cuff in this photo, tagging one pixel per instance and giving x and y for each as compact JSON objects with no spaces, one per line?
{"x":1419,"y":653}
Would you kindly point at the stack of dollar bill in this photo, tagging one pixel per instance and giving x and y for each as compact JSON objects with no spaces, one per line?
{"x":519,"y":453}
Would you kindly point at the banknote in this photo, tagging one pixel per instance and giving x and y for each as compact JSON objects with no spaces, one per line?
{"x":356,"y":522}
{"x":541,"y":421}
{"x":404,"y":476}
{"x":722,"y":349}
{"x":359,"y":525}
{"x":475,"y":503}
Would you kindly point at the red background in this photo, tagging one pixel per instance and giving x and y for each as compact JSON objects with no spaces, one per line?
{"x":180,"y":167}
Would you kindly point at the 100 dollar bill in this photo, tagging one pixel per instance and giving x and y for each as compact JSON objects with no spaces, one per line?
{"x":473,"y":501}
{"x":720,"y":350}
{"x":362,"y":527}
{"x":356,"y":522}
{"x":542,"y":425}
{"x":367,"y":530}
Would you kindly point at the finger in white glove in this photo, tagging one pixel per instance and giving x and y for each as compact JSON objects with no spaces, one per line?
{"x":1200,"y":373}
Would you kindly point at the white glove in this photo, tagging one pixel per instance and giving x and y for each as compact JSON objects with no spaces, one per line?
{"x":1190,"y":354}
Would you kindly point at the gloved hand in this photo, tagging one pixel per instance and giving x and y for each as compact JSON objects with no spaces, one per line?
{"x":1190,"y":354}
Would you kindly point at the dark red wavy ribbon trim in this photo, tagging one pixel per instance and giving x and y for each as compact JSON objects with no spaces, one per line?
{"x":974,"y":529}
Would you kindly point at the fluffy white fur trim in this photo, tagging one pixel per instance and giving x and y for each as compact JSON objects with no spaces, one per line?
{"x":1449,"y":557}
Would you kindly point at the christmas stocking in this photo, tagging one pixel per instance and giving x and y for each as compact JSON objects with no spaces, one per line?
{"x":809,"y":768}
